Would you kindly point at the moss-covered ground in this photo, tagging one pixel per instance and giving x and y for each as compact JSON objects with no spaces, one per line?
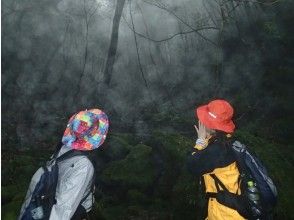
{"x":146,"y":179}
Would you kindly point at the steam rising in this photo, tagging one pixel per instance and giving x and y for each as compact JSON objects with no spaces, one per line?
{"x":54,"y":51}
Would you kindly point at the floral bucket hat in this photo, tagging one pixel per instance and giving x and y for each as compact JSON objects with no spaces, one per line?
{"x":86,"y":130}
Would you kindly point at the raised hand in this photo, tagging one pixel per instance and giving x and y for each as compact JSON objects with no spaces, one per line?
{"x":201,"y":131}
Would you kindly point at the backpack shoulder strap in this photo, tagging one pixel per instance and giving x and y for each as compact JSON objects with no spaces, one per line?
{"x":69,"y":154}
{"x":239,"y":151}
{"x":218,"y":183}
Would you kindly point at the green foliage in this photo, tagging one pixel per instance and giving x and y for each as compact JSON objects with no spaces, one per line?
{"x":184,"y":199}
{"x":118,"y":147}
{"x":151,"y":181}
{"x":10,"y":211}
{"x":13,"y":192}
{"x":114,"y":212}
{"x":135,"y":170}
{"x":174,"y":145}
{"x":125,"y":139}
{"x":137,"y":197}
{"x":18,"y":168}
{"x":272,"y":29}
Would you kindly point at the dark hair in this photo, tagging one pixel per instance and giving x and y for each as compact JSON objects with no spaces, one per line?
{"x":57,"y":148}
{"x":223,"y":138}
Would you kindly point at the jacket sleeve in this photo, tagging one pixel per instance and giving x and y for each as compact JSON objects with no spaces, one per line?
{"x":213,"y":156}
{"x":71,"y":189}
{"x":196,"y":162}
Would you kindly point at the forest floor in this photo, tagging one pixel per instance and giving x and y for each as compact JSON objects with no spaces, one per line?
{"x":146,"y":180}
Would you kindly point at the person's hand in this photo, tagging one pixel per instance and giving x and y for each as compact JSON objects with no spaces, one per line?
{"x":201,"y":131}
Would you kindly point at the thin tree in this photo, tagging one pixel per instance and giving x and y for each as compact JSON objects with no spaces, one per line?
{"x":88,"y":14}
{"x":113,"y":42}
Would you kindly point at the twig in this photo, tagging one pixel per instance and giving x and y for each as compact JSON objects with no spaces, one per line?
{"x":136,"y":44}
{"x":153,"y":61}
{"x":184,"y":22}
{"x":211,"y":17}
{"x":263,"y":3}
{"x":168,"y":38}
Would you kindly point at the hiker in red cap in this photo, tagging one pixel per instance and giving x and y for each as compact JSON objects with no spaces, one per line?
{"x":212,"y":159}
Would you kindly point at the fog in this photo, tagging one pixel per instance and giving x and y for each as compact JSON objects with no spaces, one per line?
{"x":172,"y":55}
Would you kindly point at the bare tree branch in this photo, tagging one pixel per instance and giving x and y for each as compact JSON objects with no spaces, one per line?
{"x":136,"y":44}
{"x":153,"y":60}
{"x":211,"y":16}
{"x":254,"y":1}
{"x":93,"y":12}
{"x":263,"y":3}
{"x":13,"y":10}
{"x":170,"y":37}
{"x":196,"y":30}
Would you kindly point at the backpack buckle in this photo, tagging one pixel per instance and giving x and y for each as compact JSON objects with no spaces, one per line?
{"x":237,"y":146}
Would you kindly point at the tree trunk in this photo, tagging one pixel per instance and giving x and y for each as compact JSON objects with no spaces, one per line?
{"x":113,"y":42}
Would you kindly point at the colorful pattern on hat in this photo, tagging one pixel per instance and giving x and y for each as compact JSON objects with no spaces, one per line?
{"x":86,"y":130}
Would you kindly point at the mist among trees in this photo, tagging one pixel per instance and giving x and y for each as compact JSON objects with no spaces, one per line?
{"x":147,"y":64}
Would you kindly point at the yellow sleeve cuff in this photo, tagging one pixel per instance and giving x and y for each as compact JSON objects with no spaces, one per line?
{"x":199,"y":147}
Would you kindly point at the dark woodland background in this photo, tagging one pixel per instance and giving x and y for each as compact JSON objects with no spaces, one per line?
{"x":147,"y":64}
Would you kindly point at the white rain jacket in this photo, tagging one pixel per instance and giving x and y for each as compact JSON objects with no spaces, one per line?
{"x":75,"y":178}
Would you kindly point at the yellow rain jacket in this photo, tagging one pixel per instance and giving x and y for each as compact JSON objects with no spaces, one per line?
{"x":217,"y":158}
{"x":229,"y":177}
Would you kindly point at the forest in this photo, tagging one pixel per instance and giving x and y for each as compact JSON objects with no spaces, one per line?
{"x":147,"y":64}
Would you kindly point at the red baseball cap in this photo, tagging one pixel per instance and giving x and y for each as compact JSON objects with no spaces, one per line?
{"x":217,"y":115}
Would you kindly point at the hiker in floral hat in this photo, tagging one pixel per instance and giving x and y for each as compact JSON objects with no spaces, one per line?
{"x":85,"y":132}
{"x":213,"y":160}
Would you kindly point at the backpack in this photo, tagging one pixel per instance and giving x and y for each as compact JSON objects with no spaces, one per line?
{"x":43,"y":195}
{"x":258,"y":192}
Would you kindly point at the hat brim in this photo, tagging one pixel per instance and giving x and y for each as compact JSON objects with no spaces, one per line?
{"x":210,"y":122}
